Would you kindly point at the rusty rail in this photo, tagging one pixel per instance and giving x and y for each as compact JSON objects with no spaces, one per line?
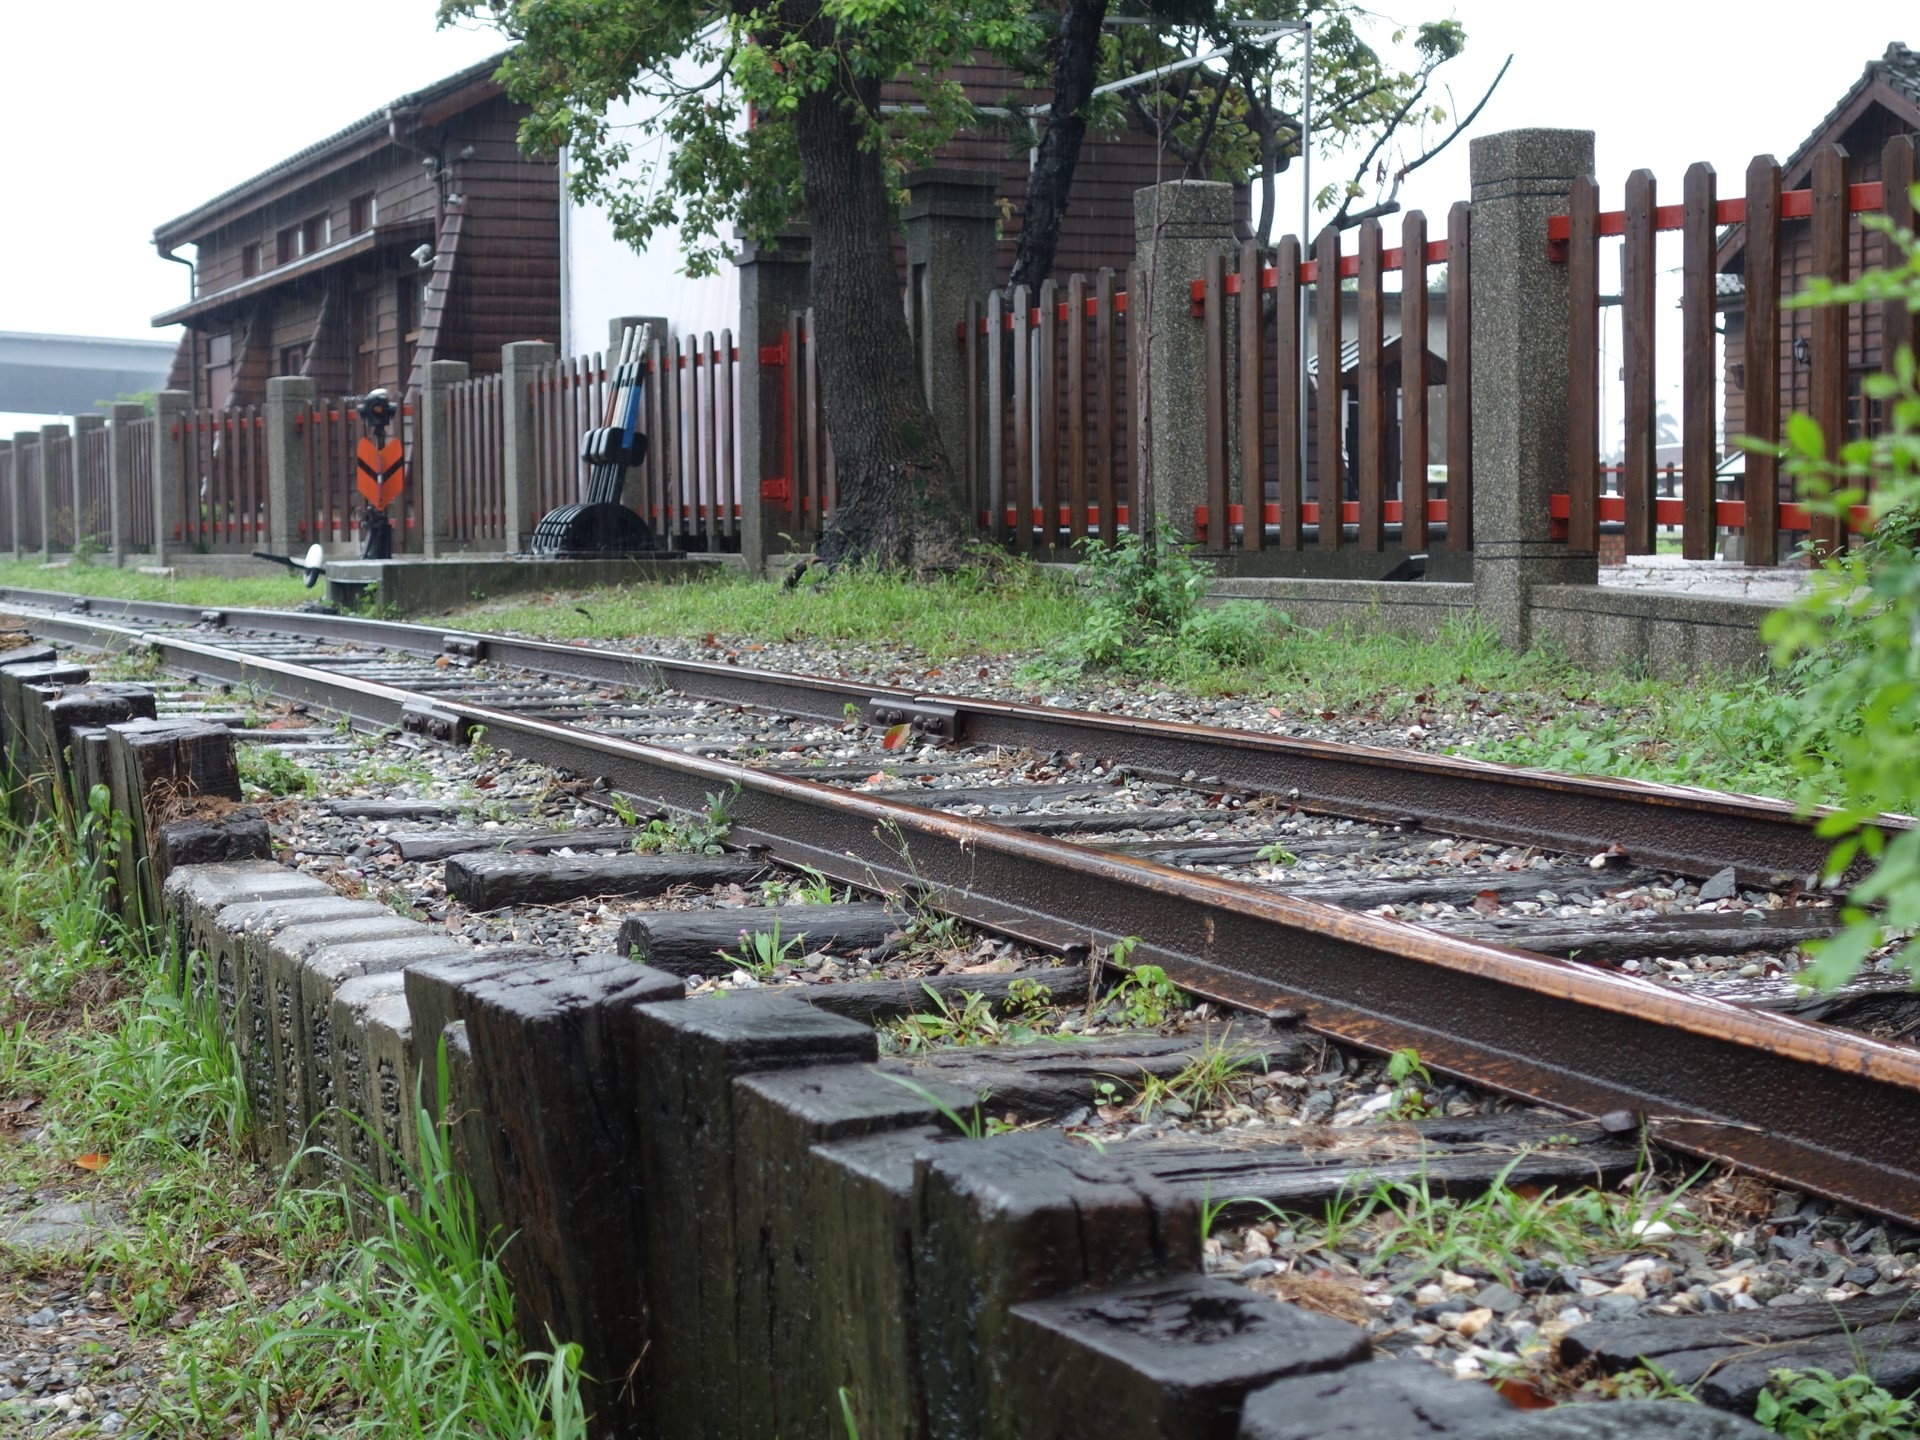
{"x":1803,"y":1104}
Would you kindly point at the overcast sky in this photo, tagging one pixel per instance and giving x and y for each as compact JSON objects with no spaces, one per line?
{"x":129,"y":113}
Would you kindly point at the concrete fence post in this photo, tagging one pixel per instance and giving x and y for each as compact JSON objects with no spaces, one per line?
{"x":775,"y":281}
{"x":951,"y":220}
{"x":87,"y":477}
{"x":617,"y":326}
{"x":26,"y":451}
{"x":120,"y":417}
{"x":1520,"y":338}
{"x":172,"y":411}
{"x":48,"y":435}
{"x":289,"y":462}
{"x":1176,"y":226}
{"x":13,"y":488}
{"x":519,"y":363}
{"x":433,"y":457}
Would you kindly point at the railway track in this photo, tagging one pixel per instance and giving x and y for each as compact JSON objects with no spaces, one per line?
{"x":1263,"y":873}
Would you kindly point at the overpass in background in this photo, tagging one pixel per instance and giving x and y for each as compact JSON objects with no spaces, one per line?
{"x":68,"y":374}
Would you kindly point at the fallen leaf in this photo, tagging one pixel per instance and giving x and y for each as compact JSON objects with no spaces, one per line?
{"x":95,"y":1161}
{"x":1521,"y":1395}
{"x":1276,"y":712}
{"x":897,"y":736}
{"x":441,"y":663}
{"x":935,"y":674}
{"x":1487,"y":901}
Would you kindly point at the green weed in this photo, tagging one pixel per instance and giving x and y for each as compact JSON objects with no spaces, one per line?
{"x":762,"y":952}
{"x":701,"y":833}
{"x":1144,"y":999}
{"x":1814,"y":1405}
{"x":270,"y":769}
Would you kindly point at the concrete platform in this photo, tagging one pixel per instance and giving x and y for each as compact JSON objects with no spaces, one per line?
{"x":410,"y":585}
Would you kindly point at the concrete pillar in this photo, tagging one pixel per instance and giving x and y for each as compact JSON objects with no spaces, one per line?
{"x":26,"y":446}
{"x":49,"y":434}
{"x":88,"y":525}
{"x":433,"y":457}
{"x":518,"y":363}
{"x":120,"y":417}
{"x":1176,"y":226}
{"x":951,"y":220}
{"x":289,"y":463}
{"x":171,"y":409}
{"x":774,"y":282}
{"x":1520,"y":325}
{"x":618,"y":324}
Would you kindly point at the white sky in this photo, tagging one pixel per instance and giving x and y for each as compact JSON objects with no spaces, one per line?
{"x":137,"y":112}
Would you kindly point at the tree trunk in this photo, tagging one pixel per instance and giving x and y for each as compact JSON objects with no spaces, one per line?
{"x":898,"y":502}
{"x":1074,"y":70}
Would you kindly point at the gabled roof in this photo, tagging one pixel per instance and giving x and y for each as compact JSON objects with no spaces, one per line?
{"x":424,"y":108}
{"x":1893,"y":81}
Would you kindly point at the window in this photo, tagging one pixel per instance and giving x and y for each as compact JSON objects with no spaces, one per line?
{"x":363,"y":215}
{"x":219,"y":370}
{"x":250,"y":260}
{"x":303,"y":239}
{"x":293,"y":359}
{"x":365,"y":337}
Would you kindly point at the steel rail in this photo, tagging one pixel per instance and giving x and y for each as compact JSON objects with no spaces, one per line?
{"x":1806,"y":1105}
{"x":1685,"y":829}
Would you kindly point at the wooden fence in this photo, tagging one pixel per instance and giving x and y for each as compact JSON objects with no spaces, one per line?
{"x":799,"y":498}
{"x":26,"y":477}
{"x":1377,"y":409}
{"x":1049,"y":454}
{"x":92,"y":490}
{"x":688,"y":490}
{"x":7,"y":459}
{"x":56,"y":460}
{"x":476,"y":431}
{"x":1812,"y":364}
{"x":223,"y":475}
{"x":140,"y":440}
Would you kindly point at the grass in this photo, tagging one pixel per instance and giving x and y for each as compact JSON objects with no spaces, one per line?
{"x":272,"y":589}
{"x":245,"y":1296}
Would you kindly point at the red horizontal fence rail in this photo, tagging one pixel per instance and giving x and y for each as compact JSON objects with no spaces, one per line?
{"x":476,"y":428}
{"x":140,"y":435}
{"x":1289,"y":451}
{"x":92,"y":490}
{"x":688,"y":488}
{"x":223,"y":504}
{"x":1805,"y":359}
{"x":330,"y":513}
{"x":1051,"y":433}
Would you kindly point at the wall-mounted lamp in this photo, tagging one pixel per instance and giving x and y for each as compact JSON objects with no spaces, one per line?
{"x":1802,"y":351}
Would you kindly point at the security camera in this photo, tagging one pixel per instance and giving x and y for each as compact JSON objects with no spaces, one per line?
{"x":423,"y":255}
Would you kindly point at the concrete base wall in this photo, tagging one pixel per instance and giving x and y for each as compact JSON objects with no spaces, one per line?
{"x":417,"y":587}
{"x":1602,"y":627}
{"x":1413,"y":607}
{"x":1665,"y":634}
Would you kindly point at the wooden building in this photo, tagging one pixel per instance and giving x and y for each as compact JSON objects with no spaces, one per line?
{"x":1884,"y":102}
{"x":418,"y":233}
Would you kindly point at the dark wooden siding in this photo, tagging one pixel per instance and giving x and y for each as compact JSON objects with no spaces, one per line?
{"x":506,"y":282}
{"x":1864,"y":141}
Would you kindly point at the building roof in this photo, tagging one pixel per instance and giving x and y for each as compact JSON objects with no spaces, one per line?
{"x":1893,"y":80}
{"x":422,"y":107}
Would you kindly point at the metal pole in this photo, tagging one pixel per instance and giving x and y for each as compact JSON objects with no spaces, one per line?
{"x":1306,"y":240}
